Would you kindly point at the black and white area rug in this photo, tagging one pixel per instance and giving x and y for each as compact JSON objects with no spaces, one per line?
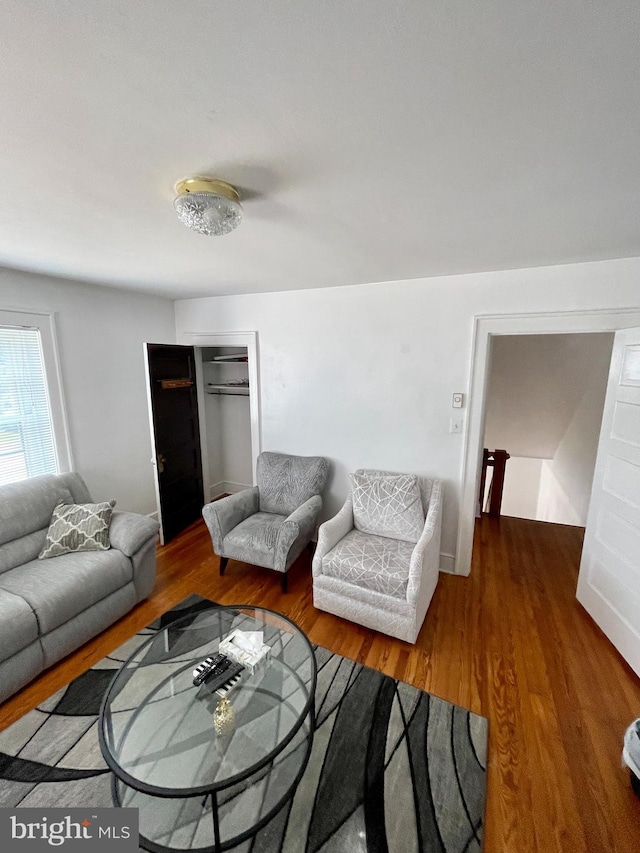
{"x":392,"y":770}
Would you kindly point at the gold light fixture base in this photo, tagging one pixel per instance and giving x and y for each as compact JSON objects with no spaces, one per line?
{"x":207,"y":185}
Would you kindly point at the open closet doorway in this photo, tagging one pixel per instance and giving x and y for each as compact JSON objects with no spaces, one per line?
{"x":228,"y":397}
{"x":225,"y":420}
{"x":209,"y":447}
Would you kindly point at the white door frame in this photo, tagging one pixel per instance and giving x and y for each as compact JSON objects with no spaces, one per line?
{"x":485,"y":326}
{"x":231,"y":339}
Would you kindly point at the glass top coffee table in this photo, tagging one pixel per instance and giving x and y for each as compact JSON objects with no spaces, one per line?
{"x":195,"y":788}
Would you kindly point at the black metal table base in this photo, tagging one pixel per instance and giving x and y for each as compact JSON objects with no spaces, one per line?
{"x":219,"y":845}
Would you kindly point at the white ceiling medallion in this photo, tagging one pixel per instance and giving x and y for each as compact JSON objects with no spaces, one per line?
{"x":208,"y":206}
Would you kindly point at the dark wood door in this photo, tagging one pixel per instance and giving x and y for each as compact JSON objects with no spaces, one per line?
{"x":176,"y":434}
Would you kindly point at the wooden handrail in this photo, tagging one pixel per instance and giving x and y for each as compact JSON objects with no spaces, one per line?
{"x":496,"y":459}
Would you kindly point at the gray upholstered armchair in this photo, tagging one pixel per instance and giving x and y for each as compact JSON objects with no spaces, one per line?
{"x":271,"y":523}
{"x":377,"y":561}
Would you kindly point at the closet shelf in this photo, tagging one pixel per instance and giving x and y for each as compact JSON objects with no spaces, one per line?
{"x":224,"y":380}
{"x":237,"y":388}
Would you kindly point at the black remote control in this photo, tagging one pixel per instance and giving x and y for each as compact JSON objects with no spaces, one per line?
{"x":217,"y":670}
{"x":226,"y":678}
{"x":206,"y":668}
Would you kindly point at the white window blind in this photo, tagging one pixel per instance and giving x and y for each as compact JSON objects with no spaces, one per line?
{"x":27,"y":442}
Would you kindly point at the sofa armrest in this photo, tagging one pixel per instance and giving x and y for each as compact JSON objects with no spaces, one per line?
{"x":129,"y":531}
{"x":298,"y":529}
{"x":424,"y":567}
{"x":331,"y":532}
{"x":223,"y":515}
{"x":305,"y":516}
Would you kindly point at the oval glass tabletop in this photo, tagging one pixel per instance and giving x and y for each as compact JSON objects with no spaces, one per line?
{"x":158,"y":731}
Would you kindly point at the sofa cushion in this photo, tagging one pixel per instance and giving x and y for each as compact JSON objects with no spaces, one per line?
{"x":371,"y":562}
{"x":253,"y":538}
{"x":59,"y":588}
{"x":21,"y":550}
{"x":27,"y":506}
{"x":78,"y":527}
{"x":388,"y":505}
{"x":18,"y":624}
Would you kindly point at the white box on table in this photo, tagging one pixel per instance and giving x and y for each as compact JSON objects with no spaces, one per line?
{"x":251,"y":661}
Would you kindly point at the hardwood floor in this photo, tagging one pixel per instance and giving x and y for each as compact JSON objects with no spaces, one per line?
{"x":510,"y":642}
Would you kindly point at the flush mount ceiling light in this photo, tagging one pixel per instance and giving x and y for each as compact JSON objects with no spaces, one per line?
{"x":208,"y":206}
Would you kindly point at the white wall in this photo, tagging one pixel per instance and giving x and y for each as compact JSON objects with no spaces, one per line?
{"x":566,"y":480}
{"x":228,"y":442}
{"x":214,"y":475}
{"x":522,"y":487}
{"x":536,"y":384}
{"x":100,"y":332}
{"x":236,"y":442}
{"x":364,"y":374}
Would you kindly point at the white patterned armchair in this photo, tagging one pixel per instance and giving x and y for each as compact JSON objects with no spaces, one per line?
{"x":377,"y":561}
{"x":270,"y":524}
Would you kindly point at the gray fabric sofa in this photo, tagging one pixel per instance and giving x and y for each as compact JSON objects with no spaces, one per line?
{"x":50,"y":607}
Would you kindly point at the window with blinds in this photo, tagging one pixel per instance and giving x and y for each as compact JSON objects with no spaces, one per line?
{"x":27,"y":441}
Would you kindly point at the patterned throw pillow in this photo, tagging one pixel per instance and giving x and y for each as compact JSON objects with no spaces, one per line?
{"x":388,"y":505}
{"x":78,"y":527}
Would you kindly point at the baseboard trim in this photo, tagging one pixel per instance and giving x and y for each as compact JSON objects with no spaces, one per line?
{"x":216,"y":491}
{"x":232,"y":488}
{"x":226,"y":487}
{"x":448,"y":564}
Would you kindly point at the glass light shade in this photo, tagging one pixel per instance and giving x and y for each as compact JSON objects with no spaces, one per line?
{"x":208,"y":213}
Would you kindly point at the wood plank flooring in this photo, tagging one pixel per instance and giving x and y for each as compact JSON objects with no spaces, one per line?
{"x":510,"y":642}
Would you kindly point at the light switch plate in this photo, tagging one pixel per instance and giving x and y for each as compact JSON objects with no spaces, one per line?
{"x":457,"y":399}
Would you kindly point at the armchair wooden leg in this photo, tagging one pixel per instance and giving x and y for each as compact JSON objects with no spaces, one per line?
{"x":223,"y":564}
{"x":285,"y":578}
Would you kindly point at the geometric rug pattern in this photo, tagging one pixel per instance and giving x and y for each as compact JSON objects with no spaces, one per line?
{"x":392,"y":769}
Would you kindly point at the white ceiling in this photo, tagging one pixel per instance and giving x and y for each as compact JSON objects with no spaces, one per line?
{"x":379,"y":140}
